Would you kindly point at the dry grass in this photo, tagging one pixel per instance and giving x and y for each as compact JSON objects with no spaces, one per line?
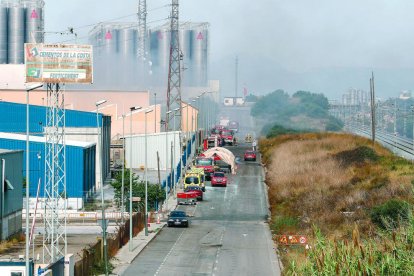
{"x":314,"y":180}
{"x":308,"y":183}
{"x":11,"y":242}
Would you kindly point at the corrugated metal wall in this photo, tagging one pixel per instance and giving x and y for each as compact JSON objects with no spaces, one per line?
{"x":37,"y":114}
{"x":13,"y":198}
{"x":79,"y":169}
{"x":155,"y":142}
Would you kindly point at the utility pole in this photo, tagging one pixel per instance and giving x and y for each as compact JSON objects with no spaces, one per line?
{"x":236,"y":79}
{"x":372,"y":93}
{"x":174,"y":71}
{"x":142,"y":29}
{"x":54,"y":237}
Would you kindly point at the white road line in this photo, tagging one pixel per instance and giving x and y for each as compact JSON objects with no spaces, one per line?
{"x":219,"y":251}
{"x":169,"y":253}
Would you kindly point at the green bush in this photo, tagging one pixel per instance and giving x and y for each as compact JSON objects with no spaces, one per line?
{"x":284,"y":223}
{"x":390,"y":214}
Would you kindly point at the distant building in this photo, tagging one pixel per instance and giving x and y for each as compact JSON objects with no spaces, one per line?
{"x":355,"y":97}
{"x":11,"y":192}
{"x":405,"y":95}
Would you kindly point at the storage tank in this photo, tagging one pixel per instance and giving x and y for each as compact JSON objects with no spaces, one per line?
{"x":199,"y":54}
{"x":185,"y":47}
{"x":128,"y":41}
{"x":160,"y":48}
{"x":3,"y":34}
{"x":34,"y":22}
{"x":16,"y":33}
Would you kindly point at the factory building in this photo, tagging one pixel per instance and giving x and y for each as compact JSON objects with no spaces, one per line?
{"x":11,"y":192}
{"x":116,"y":46}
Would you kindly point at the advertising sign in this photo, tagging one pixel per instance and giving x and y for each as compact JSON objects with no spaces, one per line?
{"x":58,"y":63}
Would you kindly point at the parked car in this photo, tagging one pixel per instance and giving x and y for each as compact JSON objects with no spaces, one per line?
{"x":195,"y":189}
{"x":219,"y":179}
{"x":178,"y":218}
{"x":249,"y":155}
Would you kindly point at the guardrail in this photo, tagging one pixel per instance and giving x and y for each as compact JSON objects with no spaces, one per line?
{"x":77,"y":216}
{"x":400,"y":145}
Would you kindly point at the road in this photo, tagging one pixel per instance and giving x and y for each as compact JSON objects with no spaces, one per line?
{"x":228,"y":234}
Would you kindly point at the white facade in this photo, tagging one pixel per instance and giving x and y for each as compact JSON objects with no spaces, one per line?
{"x":155,"y":142}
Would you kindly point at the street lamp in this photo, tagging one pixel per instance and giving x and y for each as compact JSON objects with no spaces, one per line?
{"x":146,"y":174}
{"x":28,"y":89}
{"x":175,"y":180}
{"x":134,"y":108}
{"x":166,"y":159}
{"x":123,"y":170}
{"x":97,"y":104}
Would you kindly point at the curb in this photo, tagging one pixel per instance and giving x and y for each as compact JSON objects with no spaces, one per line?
{"x":269,"y":213}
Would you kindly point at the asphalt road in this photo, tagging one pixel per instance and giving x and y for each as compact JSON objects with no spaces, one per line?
{"x":228,"y":234}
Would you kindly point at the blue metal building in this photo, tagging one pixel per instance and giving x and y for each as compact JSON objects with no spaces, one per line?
{"x":15,"y":122}
{"x":11,"y":193}
{"x":80,"y":163}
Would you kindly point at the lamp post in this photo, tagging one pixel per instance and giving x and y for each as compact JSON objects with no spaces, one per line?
{"x":134,"y":108}
{"x":155,"y":114}
{"x":192,"y":124}
{"x":166,"y":159}
{"x":176,"y":180}
{"x":123,"y":170}
{"x":28,"y":89}
{"x":146,"y":175}
{"x":98,"y":104}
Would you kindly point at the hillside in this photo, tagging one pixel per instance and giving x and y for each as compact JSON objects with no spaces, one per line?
{"x":336,"y":184}
{"x":301,"y":111}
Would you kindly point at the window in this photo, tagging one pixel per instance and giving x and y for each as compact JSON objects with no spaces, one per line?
{"x":191,"y":179}
{"x":16,"y":273}
{"x":204,"y":162}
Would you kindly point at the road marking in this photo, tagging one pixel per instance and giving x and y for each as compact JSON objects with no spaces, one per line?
{"x":169,"y":253}
{"x":219,"y":251}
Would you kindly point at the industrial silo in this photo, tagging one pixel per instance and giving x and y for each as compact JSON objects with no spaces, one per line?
{"x":34,"y":22}
{"x":3,"y":34}
{"x":199,"y":54}
{"x":16,"y":33}
{"x":160,"y":48}
{"x":128,"y":41}
{"x":185,"y":47}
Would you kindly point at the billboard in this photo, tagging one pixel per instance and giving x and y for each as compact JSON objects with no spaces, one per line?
{"x":58,"y":63}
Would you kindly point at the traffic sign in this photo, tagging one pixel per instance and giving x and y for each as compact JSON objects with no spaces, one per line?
{"x":136,"y":199}
{"x":302,"y":240}
{"x":291,"y":239}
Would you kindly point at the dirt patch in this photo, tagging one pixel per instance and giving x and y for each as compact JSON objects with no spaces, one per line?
{"x":356,"y":156}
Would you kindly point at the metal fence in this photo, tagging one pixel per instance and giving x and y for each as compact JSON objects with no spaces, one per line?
{"x":94,"y":255}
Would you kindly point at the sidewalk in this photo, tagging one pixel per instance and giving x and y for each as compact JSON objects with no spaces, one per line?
{"x":124,"y":257}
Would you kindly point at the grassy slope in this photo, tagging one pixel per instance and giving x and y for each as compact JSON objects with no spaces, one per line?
{"x":310,"y":186}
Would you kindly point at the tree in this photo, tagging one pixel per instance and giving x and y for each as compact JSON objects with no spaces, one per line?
{"x":155,"y":192}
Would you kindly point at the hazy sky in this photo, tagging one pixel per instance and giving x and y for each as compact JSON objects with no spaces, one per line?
{"x":324,"y":46}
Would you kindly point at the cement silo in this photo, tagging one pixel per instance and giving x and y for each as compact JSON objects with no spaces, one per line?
{"x":185,"y":47}
{"x":34,"y":22}
{"x":199,"y":54}
{"x":128,"y":36}
{"x":3,"y":34}
{"x":16,"y":33}
{"x":160,"y":49}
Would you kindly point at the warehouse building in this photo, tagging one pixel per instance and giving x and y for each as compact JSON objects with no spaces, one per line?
{"x":11,"y":193}
{"x":80,"y":126}
{"x":80,"y":166}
